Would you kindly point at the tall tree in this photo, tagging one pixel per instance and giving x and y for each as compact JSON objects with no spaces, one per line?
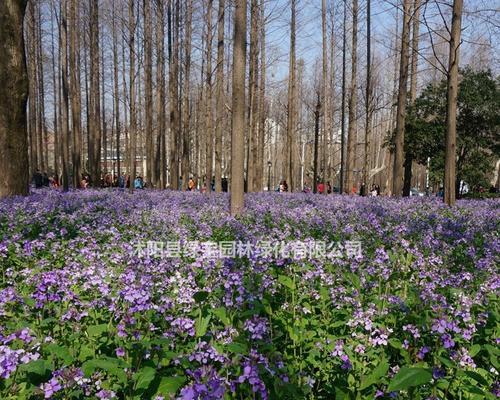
{"x":351,"y":133}
{"x":253,"y":77}
{"x":208,"y":100}
{"x":326,"y":102}
{"x":173,"y":62}
{"x":132,"y":105}
{"x":55,"y":88}
{"x":238,"y":108}
{"x":116,"y":92}
{"x":186,"y":104}
{"x":94,"y":145}
{"x":291,"y":128}
{"x":75,"y":93}
{"x":32,"y":78}
{"x":397,"y":179}
{"x":259,"y":175}
{"x":42,"y":126}
{"x":148,"y":72}
{"x":14,"y":179}
{"x":219,"y":96}
{"x":413,"y":90}
{"x":160,"y":88}
{"x":342,"y":112}
{"x":65,"y":96}
{"x":451,"y":106}
{"x":368,"y":96}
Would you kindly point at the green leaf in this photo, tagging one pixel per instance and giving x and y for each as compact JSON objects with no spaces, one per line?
{"x":37,"y":367}
{"x":202,"y":325}
{"x":477,"y":377}
{"x":60,"y":352}
{"x":222,"y":315}
{"x":375,"y":376}
{"x":395,"y":343}
{"x":446,"y":362}
{"x":143,"y":378}
{"x":200,"y":296}
{"x":112,"y":366}
{"x":170,"y":384}
{"x":409,"y":377}
{"x":85,"y":353}
{"x":97,"y":330}
{"x":474,"y":350}
{"x":286,"y":281}
{"x":237,"y":347}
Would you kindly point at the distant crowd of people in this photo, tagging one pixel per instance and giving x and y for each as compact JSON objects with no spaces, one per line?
{"x":123,"y":181}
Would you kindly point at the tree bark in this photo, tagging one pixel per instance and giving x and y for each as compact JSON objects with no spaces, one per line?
{"x":413,"y":89}
{"x":133,"y":116}
{"x":326,"y":103}
{"x":14,"y":179}
{"x":351,"y":133}
{"x":116,"y":92}
{"x":75,"y":93}
{"x":219,"y":97}
{"x":94,"y":97}
{"x":65,"y":101}
{"x":398,"y":174}
{"x":208,"y":101}
{"x":368,"y":100}
{"x":238,"y":108}
{"x":160,"y":87}
{"x":148,"y":72}
{"x":342,"y":138}
{"x":173,"y":58}
{"x":262,"y":102}
{"x":451,"y":106}
{"x":292,"y":99}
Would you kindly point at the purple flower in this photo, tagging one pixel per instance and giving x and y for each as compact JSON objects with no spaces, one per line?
{"x":50,"y":387}
{"x":105,"y":394}
{"x":120,"y":352}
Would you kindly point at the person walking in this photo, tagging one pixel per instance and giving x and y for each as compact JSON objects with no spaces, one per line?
{"x":38,"y":179}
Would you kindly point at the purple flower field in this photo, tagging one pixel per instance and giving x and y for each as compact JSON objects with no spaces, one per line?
{"x":88,"y":310}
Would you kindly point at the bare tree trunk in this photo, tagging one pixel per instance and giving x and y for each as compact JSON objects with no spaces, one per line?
{"x":133,"y":117}
{"x":173,"y":60}
{"x":413,"y":90}
{"x":75,"y":93}
{"x":238,"y":101}
{"x":253,"y":99}
{"x":219,"y":97}
{"x":326,"y":103}
{"x":208,"y":100}
{"x":160,"y":87}
{"x":262,"y":101}
{"x":126,"y":92}
{"x":42,"y":126}
{"x":451,"y":106}
{"x":148,"y":72}
{"x":116,"y":92}
{"x":342,"y":138}
{"x":333,"y":134}
{"x":351,"y":133}
{"x":65,"y":106}
{"x":316,"y":140}
{"x":292,"y":99}
{"x":398,"y":175}
{"x":103,"y":149}
{"x":55,"y":85}
{"x":14,"y":179}
{"x":94,"y":97}
{"x":368,"y":100}
{"x":31,"y":60}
